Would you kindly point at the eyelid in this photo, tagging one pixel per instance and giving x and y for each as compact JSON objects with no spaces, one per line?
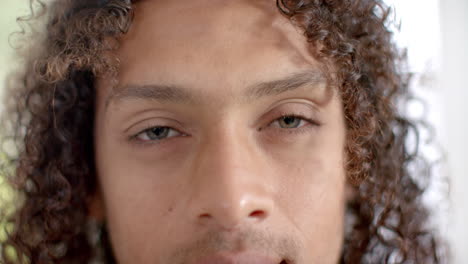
{"x":310,"y":124}
{"x":301,"y":107}
{"x":141,"y":127}
{"x":307,"y":115}
{"x":155,"y":126}
{"x":298,"y":116}
{"x":152,"y":121}
{"x":134,"y":141}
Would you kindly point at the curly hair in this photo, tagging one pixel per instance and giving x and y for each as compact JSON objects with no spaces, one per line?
{"x":50,"y":113}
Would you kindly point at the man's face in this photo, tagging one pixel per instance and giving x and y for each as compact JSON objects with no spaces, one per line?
{"x":220,"y":142}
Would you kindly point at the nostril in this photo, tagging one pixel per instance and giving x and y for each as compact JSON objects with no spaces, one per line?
{"x":205,"y":216}
{"x":257,"y":214}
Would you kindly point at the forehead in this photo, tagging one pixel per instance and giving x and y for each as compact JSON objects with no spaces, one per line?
{"x":233,"y":40}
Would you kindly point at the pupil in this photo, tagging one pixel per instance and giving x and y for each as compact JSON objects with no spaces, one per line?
{"x":289,"y":120}
{"x":159,"y":132}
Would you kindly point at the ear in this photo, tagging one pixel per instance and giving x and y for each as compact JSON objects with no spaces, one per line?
{"x":96,"y":206}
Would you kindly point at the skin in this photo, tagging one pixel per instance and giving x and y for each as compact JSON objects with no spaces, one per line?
{"x":231,"y":182}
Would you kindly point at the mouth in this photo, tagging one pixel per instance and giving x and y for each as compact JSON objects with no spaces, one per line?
{"x":244,"y":258}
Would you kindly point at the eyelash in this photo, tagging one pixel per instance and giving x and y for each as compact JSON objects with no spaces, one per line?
{"x":311,"y":124}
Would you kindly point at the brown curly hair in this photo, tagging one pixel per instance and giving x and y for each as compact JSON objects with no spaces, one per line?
{"x":50,"y":112}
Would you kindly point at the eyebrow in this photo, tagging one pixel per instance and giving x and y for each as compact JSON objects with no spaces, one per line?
{"x":184,"y":95}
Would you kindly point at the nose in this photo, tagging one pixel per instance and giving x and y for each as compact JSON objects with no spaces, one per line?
{"x":230,"y":184}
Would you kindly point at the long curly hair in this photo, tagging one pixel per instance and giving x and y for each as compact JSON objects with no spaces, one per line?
{"x":49,"y":112}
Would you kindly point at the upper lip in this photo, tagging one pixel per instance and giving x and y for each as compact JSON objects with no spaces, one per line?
{"x":237,"y":258}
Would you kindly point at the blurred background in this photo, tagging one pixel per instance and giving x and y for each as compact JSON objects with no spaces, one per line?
{"x":435,"y":32}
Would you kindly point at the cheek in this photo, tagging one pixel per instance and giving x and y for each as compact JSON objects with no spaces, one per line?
{"x":130,"y":211}
{"x":313,"y":186}
{"x":312,"y":195}
{"x":137,"y":200}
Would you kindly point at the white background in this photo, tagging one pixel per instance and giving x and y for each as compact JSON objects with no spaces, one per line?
{"x":454,"y":96}
{"x":436,"y":35}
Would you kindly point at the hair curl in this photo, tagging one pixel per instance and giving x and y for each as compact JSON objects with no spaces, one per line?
{"x":50,"y":112}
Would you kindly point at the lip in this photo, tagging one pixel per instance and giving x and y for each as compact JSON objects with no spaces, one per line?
{"x":238,"y":258}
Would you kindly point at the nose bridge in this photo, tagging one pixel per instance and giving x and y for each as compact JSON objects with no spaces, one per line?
{"x":229,"y":187}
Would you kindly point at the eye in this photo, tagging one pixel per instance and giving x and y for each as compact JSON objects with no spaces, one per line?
{"x":157,"y":133}
{"x":291,"y":122}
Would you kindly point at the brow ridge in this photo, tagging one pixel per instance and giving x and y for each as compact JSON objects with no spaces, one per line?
{"x":184,"y":95}
{"x":293,"y":82}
